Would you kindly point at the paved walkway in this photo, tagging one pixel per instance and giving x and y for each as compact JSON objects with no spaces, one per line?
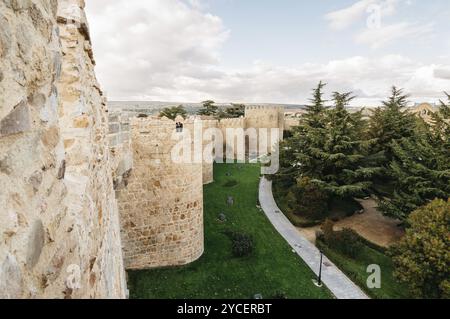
{"x":338,"y":283}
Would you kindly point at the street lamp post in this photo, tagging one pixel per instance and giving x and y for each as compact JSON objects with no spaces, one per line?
{"x":319,"y":281}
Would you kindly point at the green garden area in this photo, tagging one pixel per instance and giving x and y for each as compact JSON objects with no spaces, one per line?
{"x":334,"y":157}
{"x":244,"y":254}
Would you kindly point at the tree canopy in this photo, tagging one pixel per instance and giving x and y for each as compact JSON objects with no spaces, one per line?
{"x":422,"y":257}
{"x":209,"y":108}
{"x":173,"y":111}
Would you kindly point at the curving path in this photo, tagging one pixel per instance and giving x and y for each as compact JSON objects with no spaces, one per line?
{"x":336,"y":281}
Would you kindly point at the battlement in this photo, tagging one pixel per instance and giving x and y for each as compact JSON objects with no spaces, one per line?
{"x":261,"y":108}
{"x":232,"y":123}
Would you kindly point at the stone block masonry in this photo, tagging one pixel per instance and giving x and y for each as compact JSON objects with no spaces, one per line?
{"x":59,"y":230}
{"x":161,"y":209}
{"x":66,"y":167}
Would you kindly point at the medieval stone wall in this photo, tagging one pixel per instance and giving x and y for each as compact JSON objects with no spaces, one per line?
{"x":59,"y":225}
{"x":162,"y":206}
{"x":120,"y":148}
{"x":208,"y":173}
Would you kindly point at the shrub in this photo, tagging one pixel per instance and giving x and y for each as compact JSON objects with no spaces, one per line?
{"x":280,"y":295}
{"x":242,"y":244}
{"x":306,"y":199}
{"x":422,"y":258}
{"x":346,"y":241}
{"x":230,"y":183}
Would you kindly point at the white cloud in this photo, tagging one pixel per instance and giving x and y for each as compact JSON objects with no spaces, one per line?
{"x":442,"y":73}
{"x":344,"y":18}
{"x":169,"y":50}
{"x":379,"y":37}
{"x":144,"y":44}
{"x":341,"y":19}
{"x":377,"y":33}
{"x":369,"y":78}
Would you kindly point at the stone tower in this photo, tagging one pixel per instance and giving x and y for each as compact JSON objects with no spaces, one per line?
{"x":161,"y":207}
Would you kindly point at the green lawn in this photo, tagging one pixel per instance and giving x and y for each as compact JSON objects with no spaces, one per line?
{"x":356,"y":270}
{"x":272,"y":268}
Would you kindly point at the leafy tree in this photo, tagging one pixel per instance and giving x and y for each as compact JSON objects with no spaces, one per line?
{"x":422,"y":257}
{"x":209,"y":108}
{"x":173,"y":112}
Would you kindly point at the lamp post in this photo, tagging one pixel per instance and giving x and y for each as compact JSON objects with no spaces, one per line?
{"x":319,"y":280}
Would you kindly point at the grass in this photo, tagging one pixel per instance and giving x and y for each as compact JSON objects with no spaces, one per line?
{"x":272,"y":269}
{"x":356,"y":269}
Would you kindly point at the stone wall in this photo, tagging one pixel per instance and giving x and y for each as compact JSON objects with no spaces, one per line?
{"x":161,"y":208}
{"x":59,"y":221}
{"x":266,"y":117}
{"x":208,"y":173}
{"x":120,"y":148}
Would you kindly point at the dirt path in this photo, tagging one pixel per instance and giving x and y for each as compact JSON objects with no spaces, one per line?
{"x":371,"y":225}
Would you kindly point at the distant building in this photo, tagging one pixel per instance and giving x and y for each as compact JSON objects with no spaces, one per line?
{"x":425,"y":111}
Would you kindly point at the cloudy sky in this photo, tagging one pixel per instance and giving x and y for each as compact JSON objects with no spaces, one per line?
{"x":271,"y":51}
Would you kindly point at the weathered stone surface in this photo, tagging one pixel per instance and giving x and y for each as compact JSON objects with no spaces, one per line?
{"x":57,"y":204}
{"x":36,"y":180}
{"x":36,"y":242}
{"x":11,"y":281}
{"x":162,"y":207}
{"x":18,"y":121}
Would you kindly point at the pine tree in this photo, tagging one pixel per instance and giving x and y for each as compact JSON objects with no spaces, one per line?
{"x":419,"y":168}
{"x":314,"y":115}
{"x":326,"y":147}
{"x":421,"y":173}
{"x":441,"y":125}
{"x":295,"y":152}
{"x":209,"y":108}
{"x":173,"y":112}
{"x":343,"y":173}
{"x":389,"y":123}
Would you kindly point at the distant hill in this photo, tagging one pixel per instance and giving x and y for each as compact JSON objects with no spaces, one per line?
{"x":156,"y":106}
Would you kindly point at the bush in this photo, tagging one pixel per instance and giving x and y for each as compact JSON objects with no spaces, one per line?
{"x":242,"y":244}
{"x":230,"y":183}
{"x":346,"y":241}
{"x":280,"y":295}
{"x":306,"y":199}
{"x":422,"y":258}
